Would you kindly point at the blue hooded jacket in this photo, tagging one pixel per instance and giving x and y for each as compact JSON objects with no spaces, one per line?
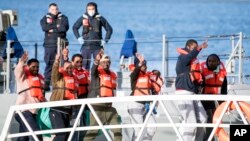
{"x":129,"y":47}
{"x":18,"y":49}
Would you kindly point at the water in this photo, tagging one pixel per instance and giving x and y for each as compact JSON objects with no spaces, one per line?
{"x":147,"y":19}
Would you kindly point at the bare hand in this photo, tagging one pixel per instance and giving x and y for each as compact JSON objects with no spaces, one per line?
{"x":57,"y":57}
{"x":99,"y":55}
{"x":140,"y":57}
{"x":51,"y":30}
{"x":24,"y":57}
{"x":204,"y":44}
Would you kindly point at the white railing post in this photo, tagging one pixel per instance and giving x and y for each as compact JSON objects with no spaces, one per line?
{"x":99,"y":122}
{"x":59,"y":48}
{"x":6,"y":126}
{"x":73,"y":130}
{"x":164,"y":56}
{"x":218,"y":121}
{"x":146,"y":121}
{"x":170,"y":120}
{"x":232,"y":64}
{"x":240,"y":58}
{"x":27,"y":125}
{"x":8,"y":52}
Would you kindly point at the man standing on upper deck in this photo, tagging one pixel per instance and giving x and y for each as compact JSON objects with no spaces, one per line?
{"x":91,"y":38}
{"x":54,"y":24}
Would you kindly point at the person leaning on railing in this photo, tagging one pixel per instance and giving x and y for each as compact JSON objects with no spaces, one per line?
{"x":64,"y":86}
{"x":30,"y":90}
{"x":103,"y":84}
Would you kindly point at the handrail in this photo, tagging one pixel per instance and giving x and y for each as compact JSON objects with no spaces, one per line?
{"x":90,"y":101}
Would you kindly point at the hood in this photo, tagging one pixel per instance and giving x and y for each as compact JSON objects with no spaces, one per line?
{"x":129,"y":47}
{"x":95,"y":5}
{"x":129,"y":35}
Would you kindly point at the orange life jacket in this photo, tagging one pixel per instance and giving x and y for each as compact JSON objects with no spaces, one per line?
{"x":143,"y":84}
{"x":70,"y":87}
{"x":107,"y":83}
{"x":131,"y":67}
{"x":82,"y":76}
{"x":213,"y":81}
{"x":195,"y":73}
{"x":36,"y":84}
{"x":157,"y":82}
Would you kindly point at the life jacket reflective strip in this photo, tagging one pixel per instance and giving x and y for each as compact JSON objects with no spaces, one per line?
{"x":143,"y":84}
{"x":36,"y":84}
{"x":107,"y":83}
{"x":83,"y":81}
{"x":157,"y":82}
{"x":70,"y":87}
{"x":195,"y":73}
{"x":85,"y":20}
{"x":213,"y":81}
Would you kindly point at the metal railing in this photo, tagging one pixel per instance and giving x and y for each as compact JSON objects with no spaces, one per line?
{"x":155,"y":98}
{"x":237,"y":54}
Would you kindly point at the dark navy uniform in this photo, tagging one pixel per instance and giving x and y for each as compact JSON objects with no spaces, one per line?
{"x":59,"y":26}
{"x":92,"y":35}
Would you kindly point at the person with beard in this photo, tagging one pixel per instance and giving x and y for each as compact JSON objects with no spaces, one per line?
{"x":30,"y":90}
{"x":215,"y":82}
{"x":91,"y":40}
{"x":103,"y":84}
{"x":65,"y":87}
{"x":54,"y":24}
{"x":187,"y":82}
{"x":82,"y":76}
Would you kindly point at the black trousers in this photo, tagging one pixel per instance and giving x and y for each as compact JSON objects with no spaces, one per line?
{"x":59,"y":120}
{"x":31,"y":119}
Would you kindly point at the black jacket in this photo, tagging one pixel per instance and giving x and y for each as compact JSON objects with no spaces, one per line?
{"x":183,"y":80}
{"x":49,"y":22}
{"x":133,"y":78}
{"x":93,"y":31}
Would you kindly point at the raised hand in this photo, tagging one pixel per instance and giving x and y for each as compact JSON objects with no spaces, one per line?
{"x":140,"y":57}
{"x":24,"y":57}
{"x":99,"y":55}
{"x":57,"y":57}
{"x":204,"y":44}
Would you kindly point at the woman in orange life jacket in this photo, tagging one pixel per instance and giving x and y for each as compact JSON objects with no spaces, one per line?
{"x":64,"y":86}
{"x":103,"y":84}
{"x":215,"y":82}
{"x":82,"y":76}
{"x":141,"y":85}
{"x":186,"y":83}
{"x":30,"y":90}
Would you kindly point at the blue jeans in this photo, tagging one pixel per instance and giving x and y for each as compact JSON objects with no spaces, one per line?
{"x":86,"y":54}
{"x":31,"y":119}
